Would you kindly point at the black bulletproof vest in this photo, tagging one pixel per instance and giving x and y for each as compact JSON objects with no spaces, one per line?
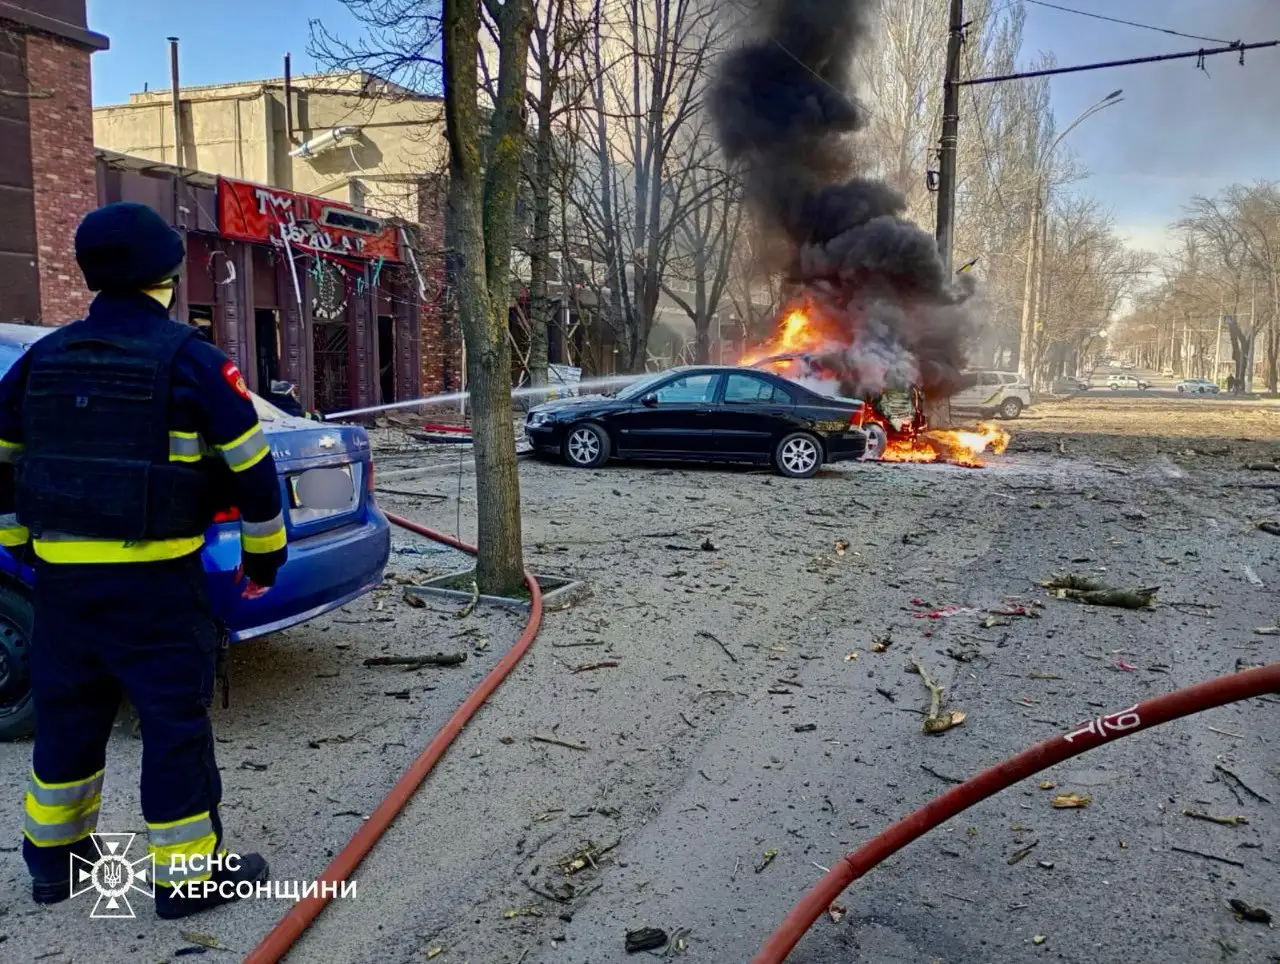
{"x":95,"y":422}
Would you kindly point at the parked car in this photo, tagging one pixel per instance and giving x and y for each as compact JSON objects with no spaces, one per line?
{"x":1069,"y":384}
{"x":1117,"y":382}
{"x":1198,"y":386}
{"x":335,"y":555}
{"x":994,"y":393}
{"x":704,"y":414}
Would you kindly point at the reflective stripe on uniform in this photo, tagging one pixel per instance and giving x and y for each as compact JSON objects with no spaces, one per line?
{"x":9,"y":451}
{"x":58,"y":547}
{"x":186,"y":447}
{"x":263,"y":537}
{"x":62,"y":813}
{"x":246,"y":451}
{"x":181,"y":838}
{"x":12,"y":533}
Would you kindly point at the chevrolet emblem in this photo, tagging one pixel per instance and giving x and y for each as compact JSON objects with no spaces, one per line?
{"x":328,"y":442}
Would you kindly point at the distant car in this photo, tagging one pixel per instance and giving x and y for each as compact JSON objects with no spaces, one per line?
{"x":704,"y":414}
{"x":1068,"y":384}
{"x":1166,"y":373}
{"x":1197,"y":386}
{"x":335,"y":555}
{"x":1117,"y":382}
{"x":1129,"y":366}
{"x":994,"y":393}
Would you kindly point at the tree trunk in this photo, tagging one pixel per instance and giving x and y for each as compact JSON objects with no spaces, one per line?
{"x":482,"y":210}
{"x":540,"y":258}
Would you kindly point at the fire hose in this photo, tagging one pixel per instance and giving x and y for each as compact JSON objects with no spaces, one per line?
{"x":286,"y":933}
{"x":1088,"y":736}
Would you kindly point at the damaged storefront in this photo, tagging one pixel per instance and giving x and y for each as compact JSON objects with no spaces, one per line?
{"x":292,"y":287}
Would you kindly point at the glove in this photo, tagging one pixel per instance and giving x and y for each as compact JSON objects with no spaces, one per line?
{"x":260,"y":573}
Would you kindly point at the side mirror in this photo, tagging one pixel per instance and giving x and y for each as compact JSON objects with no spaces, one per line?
{"x":649,"y":401}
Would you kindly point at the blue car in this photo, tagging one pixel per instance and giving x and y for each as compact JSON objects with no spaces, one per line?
{"x":335,"y":555}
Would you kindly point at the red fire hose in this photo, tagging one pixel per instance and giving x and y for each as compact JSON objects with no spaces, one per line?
{"x":283,"y":936}
{"x":1103,"y":729}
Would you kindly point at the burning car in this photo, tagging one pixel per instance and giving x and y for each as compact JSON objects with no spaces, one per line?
{"x":894,"y":419}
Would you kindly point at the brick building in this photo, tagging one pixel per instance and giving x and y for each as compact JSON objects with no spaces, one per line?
{"x":349,"y":307}
{"x":47,"y":176}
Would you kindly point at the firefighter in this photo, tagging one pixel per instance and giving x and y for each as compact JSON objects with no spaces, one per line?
{"x":120,"y":436}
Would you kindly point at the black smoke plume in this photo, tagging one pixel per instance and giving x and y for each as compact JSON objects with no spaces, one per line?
{"x":785,"y":108}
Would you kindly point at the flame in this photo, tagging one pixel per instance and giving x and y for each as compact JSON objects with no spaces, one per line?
{"x":804,"y":328}
{"x":946,"y":445}
{"x":798,"y":332}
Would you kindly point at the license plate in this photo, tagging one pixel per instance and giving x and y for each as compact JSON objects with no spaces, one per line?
{"x":328,"y":488}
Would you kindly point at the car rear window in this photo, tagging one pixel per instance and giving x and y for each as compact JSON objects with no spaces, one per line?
{"x":748,"y":390}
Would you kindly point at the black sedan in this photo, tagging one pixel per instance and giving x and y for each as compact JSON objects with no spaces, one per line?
{"x":704,"y":414}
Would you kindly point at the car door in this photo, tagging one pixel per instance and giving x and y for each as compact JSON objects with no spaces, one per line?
{"x":751,"y":414}
{"x":675,"y":421}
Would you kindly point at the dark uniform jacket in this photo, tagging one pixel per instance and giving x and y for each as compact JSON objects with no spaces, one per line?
{"x":212,"y":424}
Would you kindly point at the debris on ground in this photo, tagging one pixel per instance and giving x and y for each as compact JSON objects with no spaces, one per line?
{"x":842,"y":546}
{"x":708,"y":545}
{"x":1091,"y":592}
{"x":1071,"y":801}
{"x":414,"y":600}
{"x":1267,"y":631}
{"x":556,"y":741}
{"x":645,"y":939}
{"x":1272,"y":528}
{"x":1253,"y":577}
{"x":935,"y":721}
{"x":585,"y":857}
{"x":470,"y":607}
{"x":1233,"y":821}
{"x":946,"y":612}
{"x":591,"y":667}
{"x":880,"y":643}
{"x":768,"y":859}
{"x":202,"y":940}
{"x":1244,"y":912}
{"x":1018,"y":855}
{"x":417,"y":662}
{"x":1038,"y":939}
{"x":1237,"y":781}
{"x":836,"y":912}
{"x":941,"y":776}
{"x":719,"y":642}
{"x":522,"y":912}
{"x":1262,"y":467}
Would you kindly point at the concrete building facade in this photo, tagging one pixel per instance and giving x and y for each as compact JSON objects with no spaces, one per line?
{"x":47,"y":176}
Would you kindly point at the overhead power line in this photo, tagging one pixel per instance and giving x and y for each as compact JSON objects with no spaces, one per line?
{"x":1236,"y":47}
{"x":1127,"y":23}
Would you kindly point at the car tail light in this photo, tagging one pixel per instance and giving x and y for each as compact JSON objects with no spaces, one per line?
{"x":229,"y":515}
{"x":368,"y":484}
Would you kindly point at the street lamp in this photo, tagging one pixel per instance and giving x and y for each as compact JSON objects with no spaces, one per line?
{"x":1035,"y":235}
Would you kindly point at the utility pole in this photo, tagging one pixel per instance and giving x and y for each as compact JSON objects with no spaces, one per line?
{"x":1028,"y":302}
{"x":950,"y":137}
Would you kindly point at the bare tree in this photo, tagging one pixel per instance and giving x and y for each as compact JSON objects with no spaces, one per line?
{"x":646,"y":62}
{"x":705,"y":238}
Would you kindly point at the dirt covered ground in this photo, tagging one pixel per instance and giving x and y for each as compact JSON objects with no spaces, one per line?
{"x":732,"y":708}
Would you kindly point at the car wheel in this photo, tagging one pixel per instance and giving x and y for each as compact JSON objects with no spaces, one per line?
{"x":798,"y":456}
{"x":17,"y":711}
{"x":586,"y":446}
{"x":1011,"y":408}
{"x":1115,"y":388}
{"x":877,"y":441}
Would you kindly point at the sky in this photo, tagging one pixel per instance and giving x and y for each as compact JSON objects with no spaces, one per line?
{"x":1180,"y":131}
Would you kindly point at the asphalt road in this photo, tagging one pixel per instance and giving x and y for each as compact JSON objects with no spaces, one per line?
{"x":699,"y":759}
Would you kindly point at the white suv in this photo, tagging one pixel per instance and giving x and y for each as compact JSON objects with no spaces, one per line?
{"x":994,"y":393}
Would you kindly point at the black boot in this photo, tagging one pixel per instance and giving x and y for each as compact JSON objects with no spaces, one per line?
{"x":56,"y":891}
{"x":171,"y":906}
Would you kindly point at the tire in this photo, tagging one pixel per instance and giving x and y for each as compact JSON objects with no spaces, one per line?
{"x":1011,"y":408}
{"x":585,"y":446}
{"x":798,"y":456}
{"x":17,"y":710}
{"x":1115,"y":388}
{"x":1181,"y":390}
